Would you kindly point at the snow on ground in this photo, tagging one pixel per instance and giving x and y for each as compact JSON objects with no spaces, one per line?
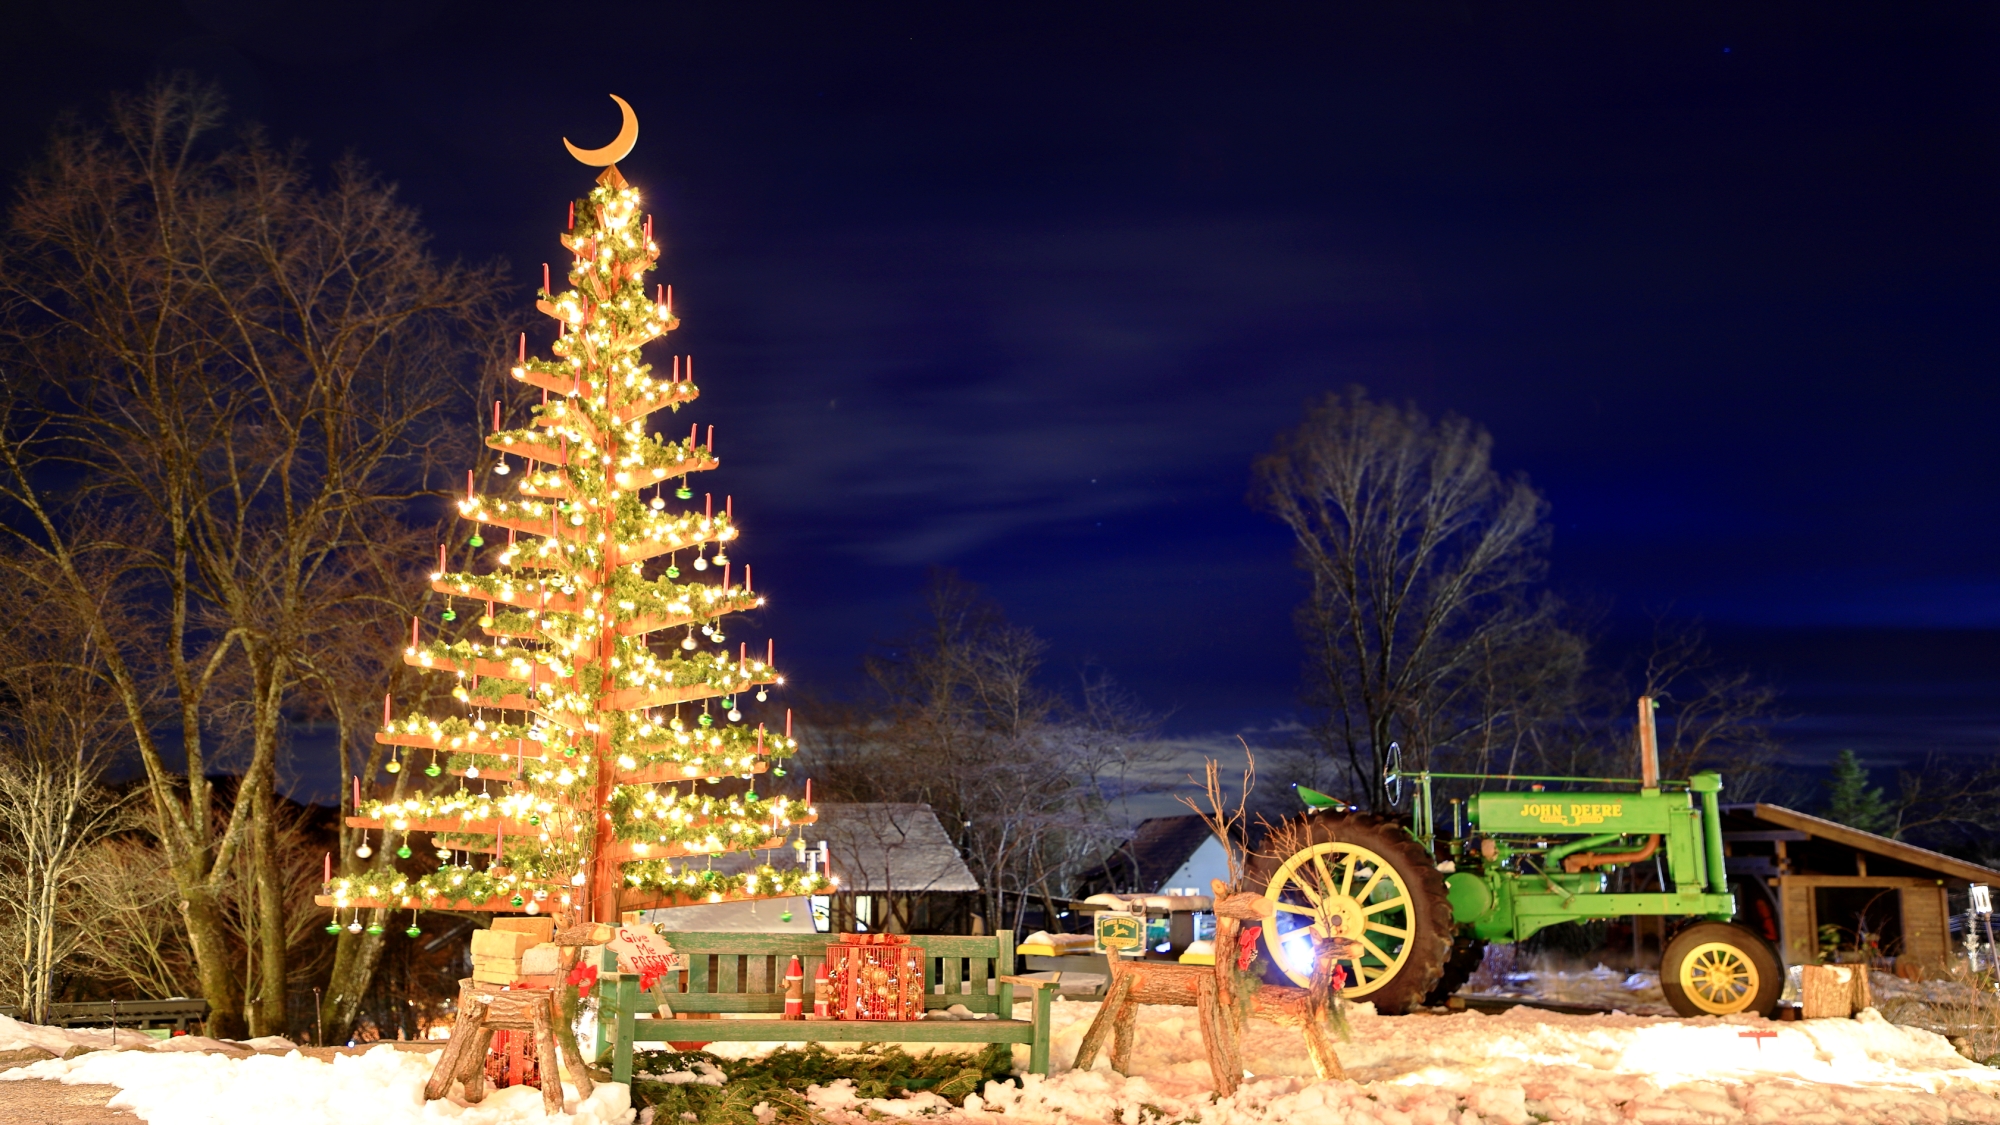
{"x":1514,"y":1068}
{"x":383,"y":1086}
{"x":1465,"y":1068}
{"x":1637,"y":993}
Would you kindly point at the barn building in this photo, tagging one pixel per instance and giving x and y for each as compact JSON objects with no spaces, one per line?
{"x":1811,"y":884}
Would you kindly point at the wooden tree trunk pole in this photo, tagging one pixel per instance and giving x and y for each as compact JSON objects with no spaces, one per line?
{"x":1122,"y":1030}
{"x":1107,"y":1014}
{"x":1326,"y":1063}
{"x":1215,"y":1038}
{"x":454,"y":1051}
{"x":545,"y":1060}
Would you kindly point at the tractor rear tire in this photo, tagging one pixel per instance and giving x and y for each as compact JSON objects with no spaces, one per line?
{"x":1720,"y":969}
{"x":1388,"y":893}
{"x":1467,"y":954}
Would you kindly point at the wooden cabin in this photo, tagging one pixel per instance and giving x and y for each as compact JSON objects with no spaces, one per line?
{"x":1793,"y":873}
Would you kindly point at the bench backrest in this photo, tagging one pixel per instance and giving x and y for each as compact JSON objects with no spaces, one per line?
{"x":745,"y":972}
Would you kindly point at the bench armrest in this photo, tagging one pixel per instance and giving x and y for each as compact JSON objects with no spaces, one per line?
{"x":1028,"y":982}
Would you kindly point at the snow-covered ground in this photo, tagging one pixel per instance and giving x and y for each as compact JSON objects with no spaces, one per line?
{"x":1636,"y":993}
{"x":1466,"y":1068}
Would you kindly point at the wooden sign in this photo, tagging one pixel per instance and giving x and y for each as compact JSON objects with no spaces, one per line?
{"x":643,"y":952}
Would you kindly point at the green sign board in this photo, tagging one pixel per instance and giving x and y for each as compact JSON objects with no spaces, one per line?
{"x":1575,"y":814}
{"x":1121,"y":933}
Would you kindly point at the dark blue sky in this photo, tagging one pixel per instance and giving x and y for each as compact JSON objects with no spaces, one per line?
{"x":1022,"y":289}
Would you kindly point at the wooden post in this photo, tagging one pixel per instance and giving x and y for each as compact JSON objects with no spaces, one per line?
{"x":545,"y":1059}
{"x":1123,"y":1030}
{"x":1215,"y":1039}
{"x":1093,"y":1039}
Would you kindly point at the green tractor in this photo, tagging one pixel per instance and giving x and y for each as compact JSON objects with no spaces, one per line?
{"x":1413,"y":912}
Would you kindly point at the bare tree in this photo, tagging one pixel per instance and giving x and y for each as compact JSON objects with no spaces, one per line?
{"x":129,"y":932}
{"x":1421,"y":615}
{"x":1711,"y":716}
{"x":958,"y":722}
{"x":264,"y":368}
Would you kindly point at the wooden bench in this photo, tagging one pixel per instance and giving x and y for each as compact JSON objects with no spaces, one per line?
{"x":739,"y":974}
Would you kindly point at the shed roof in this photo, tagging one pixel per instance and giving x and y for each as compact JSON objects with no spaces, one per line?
{"x":883,"y":847}
{"x":1869,"y":842}
{"x":1159,"y":846}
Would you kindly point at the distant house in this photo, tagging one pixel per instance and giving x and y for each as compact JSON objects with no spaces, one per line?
{"x":1794,"y":873}
{"x":1166,"y":855}
{"x":898,"y":871}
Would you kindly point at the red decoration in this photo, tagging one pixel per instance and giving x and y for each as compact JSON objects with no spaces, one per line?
{"x":510,"y":1061}
{"x":876,"y":977}
{"x":583,"y":976}
{"x":1246,"y":946}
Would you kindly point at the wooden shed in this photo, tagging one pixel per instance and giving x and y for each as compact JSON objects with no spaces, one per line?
{"x":1794,"y":873}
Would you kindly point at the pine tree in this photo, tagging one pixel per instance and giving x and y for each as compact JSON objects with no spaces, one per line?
{"x":1851,"y":802}
{"x":587,"y":725}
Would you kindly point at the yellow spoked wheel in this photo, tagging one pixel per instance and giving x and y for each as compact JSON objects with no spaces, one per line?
{"x":1716,"y":969}
{"x":1719,"y":978}
{"x":1339,"y":890}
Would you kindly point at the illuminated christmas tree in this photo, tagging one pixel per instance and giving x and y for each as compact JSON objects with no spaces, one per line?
{"x":599,"y":690}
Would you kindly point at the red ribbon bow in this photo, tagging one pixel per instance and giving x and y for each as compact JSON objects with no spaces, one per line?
{"x":1246,"y":946}
{"x":583,"y":976}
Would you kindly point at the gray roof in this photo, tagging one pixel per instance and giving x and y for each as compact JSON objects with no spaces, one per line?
{"x":883,"y":847}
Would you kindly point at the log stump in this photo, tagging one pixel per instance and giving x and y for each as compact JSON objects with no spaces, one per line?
{"x":484,"y":1009}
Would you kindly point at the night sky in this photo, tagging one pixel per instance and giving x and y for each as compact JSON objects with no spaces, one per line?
{"x":1023,"y":289}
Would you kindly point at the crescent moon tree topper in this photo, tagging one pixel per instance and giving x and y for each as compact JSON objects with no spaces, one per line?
{"x":620,"y":146}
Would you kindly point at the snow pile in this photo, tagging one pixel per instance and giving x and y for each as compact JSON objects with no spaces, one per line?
{"x":18,"y":1036}
{"x":383,"y":1086}
{"x":1518,"y":1067}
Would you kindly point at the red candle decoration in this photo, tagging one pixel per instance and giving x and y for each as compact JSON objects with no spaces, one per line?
{"x":385,"y":709}
{"x":329,"y":868}
{"x":545,"y":280}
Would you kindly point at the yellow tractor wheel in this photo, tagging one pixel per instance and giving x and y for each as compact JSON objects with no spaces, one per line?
{"x":1364,"y":881}
{"x":1716,"y":969}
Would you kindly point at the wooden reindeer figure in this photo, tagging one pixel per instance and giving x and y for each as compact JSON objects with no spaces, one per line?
{"x":1292,"y":1007}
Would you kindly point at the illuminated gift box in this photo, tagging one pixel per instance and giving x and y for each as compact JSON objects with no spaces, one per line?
{"x":876,"y":977}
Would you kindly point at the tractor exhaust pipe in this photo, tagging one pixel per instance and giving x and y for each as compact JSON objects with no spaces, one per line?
{"x":1649,"y":744}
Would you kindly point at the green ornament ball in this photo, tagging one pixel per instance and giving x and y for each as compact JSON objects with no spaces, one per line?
{"x":705,"y":720}
{"x":673,"y":571}
{"x":450,"y":615}
{"x":785,"y":917}
{"x":519,"y":901}
{"x":333,"y":927}
{"x":476,"y":541}
{"x":779,"y":770}
{"x":684,"y":493}
{"x":375,"y":927}
{"x":403,"y":852}
{"x":413,"y":931}
{"x":432,"y":770}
